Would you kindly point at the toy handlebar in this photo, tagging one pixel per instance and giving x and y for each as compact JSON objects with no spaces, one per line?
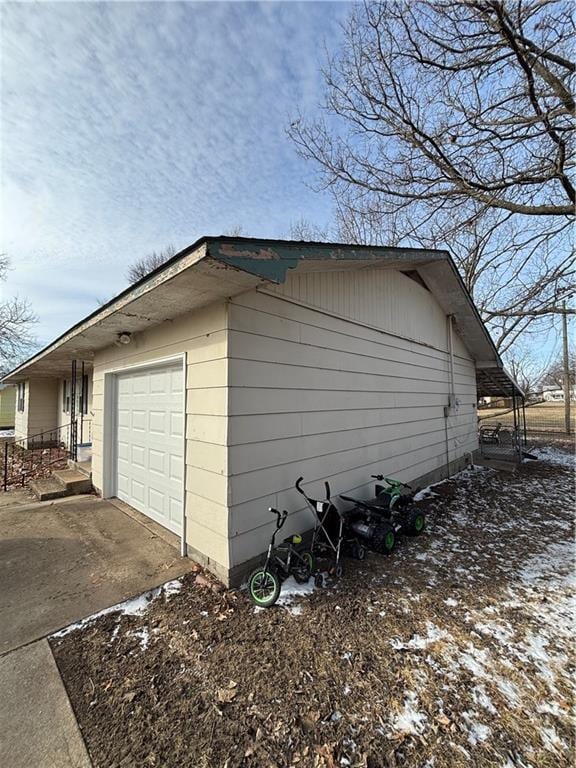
{"x":392,"y":482}
{"x":298,"y":485}
{"x":280,"y":517}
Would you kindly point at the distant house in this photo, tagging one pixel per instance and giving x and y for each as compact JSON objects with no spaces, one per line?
{"x":7,"y":406}
{"x":206,"y":389}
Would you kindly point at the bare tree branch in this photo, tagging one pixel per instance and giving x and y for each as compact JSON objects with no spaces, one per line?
{"x":16,"y":321}
{"x":451,"y":124}
{"x":142,"y":267}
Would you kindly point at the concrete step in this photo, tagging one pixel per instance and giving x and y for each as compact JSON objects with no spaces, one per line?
{"x":72,"y":480}
{"x":81,"y":466}
{"x":48,"y":488}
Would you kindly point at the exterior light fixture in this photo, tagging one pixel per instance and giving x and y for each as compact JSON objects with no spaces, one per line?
{"x":124,"y":338}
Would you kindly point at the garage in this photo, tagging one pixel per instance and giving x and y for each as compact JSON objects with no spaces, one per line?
{"x":149,"y":440}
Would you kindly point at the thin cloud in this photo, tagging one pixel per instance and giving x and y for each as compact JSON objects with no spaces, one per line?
{"x":126,"y":126}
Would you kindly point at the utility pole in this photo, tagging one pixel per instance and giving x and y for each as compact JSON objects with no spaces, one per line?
{"x":567,"y":388}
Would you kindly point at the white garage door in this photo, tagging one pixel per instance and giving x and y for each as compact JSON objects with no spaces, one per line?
{"x":150,"y":443}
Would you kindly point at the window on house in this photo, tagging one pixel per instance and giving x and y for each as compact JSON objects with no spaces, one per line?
{"x":20,"y":395}
{"x":66,"y":396}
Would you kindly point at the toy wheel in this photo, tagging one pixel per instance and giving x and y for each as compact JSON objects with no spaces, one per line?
{"x":360,"y":553}
{"x":415,"y":523}
{"x":305,"y":569}
{"x":319,"y":580}
{"x":385,"y":541}
{"x":338,"y":571}
{"x":389,"y":542}
{"x":264,"y":587}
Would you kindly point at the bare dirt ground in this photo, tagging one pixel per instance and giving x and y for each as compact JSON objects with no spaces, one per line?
{"x":455,"y":651}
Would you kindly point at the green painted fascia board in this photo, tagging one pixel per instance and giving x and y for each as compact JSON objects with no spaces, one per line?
{"x":271,"y":260}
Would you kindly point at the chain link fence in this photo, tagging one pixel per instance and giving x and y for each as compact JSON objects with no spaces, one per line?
{"x":505,"y":427}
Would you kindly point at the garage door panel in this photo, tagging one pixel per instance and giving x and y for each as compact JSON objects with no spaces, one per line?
{"x":123,"y":417}
{"x":156,"y":501}
{"x":150,"y":443}
{"x":176,"y":468}
{"x":123,"y":450}
{"x":139,"y":420}
{"x":157,"y":422}
{"x":156,"y":461}
{"x":139,"y":384}
{"x":138,"y":456}
{"x":176,"y":382}
{"x":159,"y":382}
{"x":174,"y":510}
{"x":123,"y":483}
{"x":177,"y":424}
{"x":137,"y":490}
{"x":124,"y":386}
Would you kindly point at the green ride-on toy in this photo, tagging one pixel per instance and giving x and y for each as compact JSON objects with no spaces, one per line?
{"x":396,"y":499}
{"x":282,"y":560}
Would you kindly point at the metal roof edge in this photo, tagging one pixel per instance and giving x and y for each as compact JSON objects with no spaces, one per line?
{"x":269,"y":260}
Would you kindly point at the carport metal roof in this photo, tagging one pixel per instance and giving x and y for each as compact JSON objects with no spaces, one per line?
{"x":495,"y":382}
{"x":216,"y":268}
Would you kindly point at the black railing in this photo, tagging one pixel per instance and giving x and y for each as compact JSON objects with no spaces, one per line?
{"x":35,"y":456}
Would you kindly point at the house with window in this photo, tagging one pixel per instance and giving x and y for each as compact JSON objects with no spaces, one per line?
{"x":205,"y":390}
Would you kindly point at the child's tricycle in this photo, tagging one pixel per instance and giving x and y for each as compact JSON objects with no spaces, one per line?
{"x":283,"y":560}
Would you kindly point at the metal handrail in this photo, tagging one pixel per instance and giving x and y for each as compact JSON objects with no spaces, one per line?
{"x":22,"y":454}
{"x":40,"y":434}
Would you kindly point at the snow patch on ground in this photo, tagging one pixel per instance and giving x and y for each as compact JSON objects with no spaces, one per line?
{"x":172,"y":587}
{"x":417,"y":642}
{"x":136,"y":606}
{"x":409,"y":720}
{"x":477,"y":732}
{"x":482,"y":698}
{"x":554,"y":456}
{"x":144,"y":636}
{"x":291,"y":590}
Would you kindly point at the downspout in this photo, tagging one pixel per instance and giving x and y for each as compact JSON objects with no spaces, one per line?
{"x":452,"y":401}
{"x":452,"y":393}
{"x":183,"y":545}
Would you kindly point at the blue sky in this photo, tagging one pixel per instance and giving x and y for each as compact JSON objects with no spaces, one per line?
{"x":128,"y":126}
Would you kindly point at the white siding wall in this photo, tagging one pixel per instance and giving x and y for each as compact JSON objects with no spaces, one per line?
{"x":40,"y":408}
{"x":317,"y":395}
{"x":202,"y":335}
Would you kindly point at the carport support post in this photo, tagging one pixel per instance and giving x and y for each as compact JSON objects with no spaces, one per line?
{"x":524,"y":419}
{"x":73,"y":424}
{"x":5,"y":465}
{"x":567,"y":389}
{"x":515,"y":412}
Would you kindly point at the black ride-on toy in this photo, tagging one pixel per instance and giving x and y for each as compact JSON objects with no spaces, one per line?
{"x":332,"y":537}
{"x":396,"y":499}
{"x":372,"y":525}
{"x":282,"y":560}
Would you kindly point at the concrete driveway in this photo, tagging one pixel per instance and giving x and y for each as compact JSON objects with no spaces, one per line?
{"x":61,"y":562}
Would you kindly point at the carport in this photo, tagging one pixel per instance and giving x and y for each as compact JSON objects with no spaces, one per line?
{"x":501,"y":439}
